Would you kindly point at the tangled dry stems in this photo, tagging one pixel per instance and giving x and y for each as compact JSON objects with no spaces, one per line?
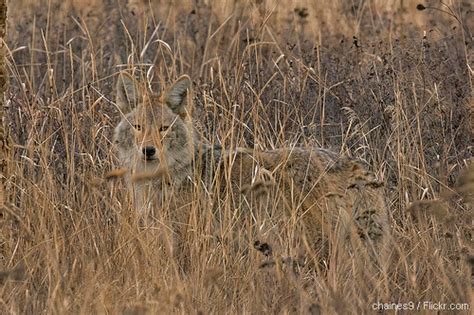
{"x":389,"y":85}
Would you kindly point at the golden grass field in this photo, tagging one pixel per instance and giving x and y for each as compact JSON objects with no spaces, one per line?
{"x":377,"y":80}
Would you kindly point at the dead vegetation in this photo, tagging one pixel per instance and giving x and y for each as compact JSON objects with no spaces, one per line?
{"x":378,"y":80}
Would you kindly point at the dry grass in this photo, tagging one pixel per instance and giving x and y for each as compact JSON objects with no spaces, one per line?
{"x":374,"y":79}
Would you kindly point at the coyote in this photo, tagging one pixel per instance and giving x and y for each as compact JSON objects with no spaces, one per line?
{"x":165,"y":158}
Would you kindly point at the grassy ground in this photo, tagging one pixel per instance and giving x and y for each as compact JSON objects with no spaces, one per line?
{"x":378,"y":80}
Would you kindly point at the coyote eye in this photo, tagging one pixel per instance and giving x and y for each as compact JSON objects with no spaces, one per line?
{"x":137,"y":127}
{"x":164,"y":128}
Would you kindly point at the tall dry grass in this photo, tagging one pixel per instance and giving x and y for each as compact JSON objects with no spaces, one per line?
{"x":377,"y":80}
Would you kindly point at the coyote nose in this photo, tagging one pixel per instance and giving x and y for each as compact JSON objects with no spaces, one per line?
{"x":149,"y":151}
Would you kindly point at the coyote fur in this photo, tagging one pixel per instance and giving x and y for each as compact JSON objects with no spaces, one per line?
{"x":164,"y":158}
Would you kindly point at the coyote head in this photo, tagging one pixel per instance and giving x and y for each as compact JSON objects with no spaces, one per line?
{"x":156,"y":130}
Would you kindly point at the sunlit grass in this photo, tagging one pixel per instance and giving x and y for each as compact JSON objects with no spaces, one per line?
{"x":359,"y":79}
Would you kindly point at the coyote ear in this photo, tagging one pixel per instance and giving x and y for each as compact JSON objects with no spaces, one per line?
{"x":176,"y":96}
{"x":127,"y":92}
